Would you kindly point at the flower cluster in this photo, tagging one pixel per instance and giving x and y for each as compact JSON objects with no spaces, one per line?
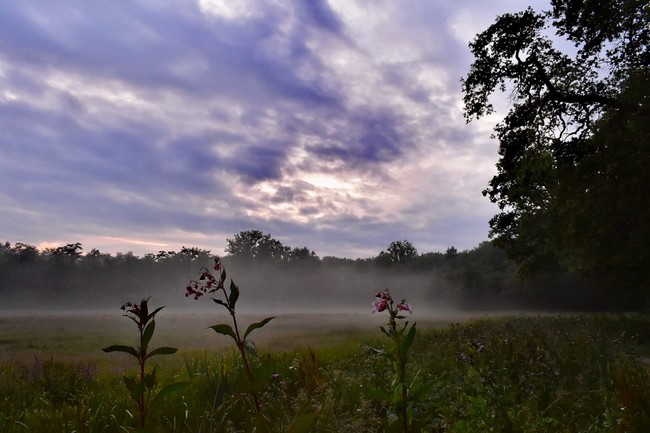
{"x":211,"y":284}
{"x":137,"y":312}
{"x":383,"y":301}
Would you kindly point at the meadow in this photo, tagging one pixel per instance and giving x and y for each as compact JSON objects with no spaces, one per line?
{"x":316,"y":373}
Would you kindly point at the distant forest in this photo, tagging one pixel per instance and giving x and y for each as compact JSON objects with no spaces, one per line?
{"x":277,"y":277}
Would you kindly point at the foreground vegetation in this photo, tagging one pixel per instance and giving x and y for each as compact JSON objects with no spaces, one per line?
{"x":571,"y":374}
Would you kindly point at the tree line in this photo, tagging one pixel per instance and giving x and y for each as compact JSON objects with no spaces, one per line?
{"x":479,"y":278}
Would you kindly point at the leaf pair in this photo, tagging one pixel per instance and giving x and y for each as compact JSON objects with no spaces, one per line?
{"x":135,"y":353}
{"x":137,"y":388}
{"x":225,"y":329}
{"x":141,"y":352}
{"x":242,"y":343}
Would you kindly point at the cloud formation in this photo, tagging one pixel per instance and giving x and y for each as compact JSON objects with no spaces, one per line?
{"x":147,"y":125}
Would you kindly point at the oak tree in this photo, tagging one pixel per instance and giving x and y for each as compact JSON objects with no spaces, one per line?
{"x":574,"y":146}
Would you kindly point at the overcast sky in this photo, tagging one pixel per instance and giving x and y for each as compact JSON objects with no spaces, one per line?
{"x":154,"y":124}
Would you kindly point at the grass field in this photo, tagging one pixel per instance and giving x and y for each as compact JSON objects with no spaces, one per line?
{"x":80,"y":336}
{"x":506,"y":374}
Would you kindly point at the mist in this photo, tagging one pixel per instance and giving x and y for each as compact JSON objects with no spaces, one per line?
{"x":312,"y":300}
{"x":264,"y":289}
{"x":435,"y":284}
{"x":311,"y":307}
{"x":331,"y":289}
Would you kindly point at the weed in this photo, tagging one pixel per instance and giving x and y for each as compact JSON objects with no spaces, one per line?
{"x":142,"y":387}
{"x":401,"y":337}
{"x":258,"y":384}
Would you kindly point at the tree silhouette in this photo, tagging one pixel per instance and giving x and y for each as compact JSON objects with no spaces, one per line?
{"x":575,"y":139}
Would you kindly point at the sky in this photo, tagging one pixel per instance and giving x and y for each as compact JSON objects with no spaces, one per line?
{"x":148,"y":125}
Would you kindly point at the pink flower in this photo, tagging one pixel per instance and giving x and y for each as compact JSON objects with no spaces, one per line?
{"x":193,"y":292}
{"x":384,"y":294}
{"x":405,"y":307}
{"x":379,"y":305}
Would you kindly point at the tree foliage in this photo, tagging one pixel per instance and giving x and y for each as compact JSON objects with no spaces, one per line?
{"x":68,"y":250}
{"x":398,"y":252}
{"x":254,"y":245}
{"x":572,"y":173}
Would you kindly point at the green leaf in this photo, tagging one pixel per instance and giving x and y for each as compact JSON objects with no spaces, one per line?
{"x":129,"y":382}
{"x":406,"y":343}
{"x":120,"y":348}
{"x":150,"y":379}
{"x":220,"y":302}
{"x":135,"y":319}
{"x":169,"y":389}
{"x":397,"y":396}
{"x":151,"y":315}
{"x":136,"y":389}
{"x":224,"y":329}
{"x":162,"y":351}
{"x":257,"y":325}
{"x":148,"y":333}
{"x":234,"y":294}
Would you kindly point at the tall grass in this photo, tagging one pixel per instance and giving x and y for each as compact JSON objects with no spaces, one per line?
{"x":559,"y":374}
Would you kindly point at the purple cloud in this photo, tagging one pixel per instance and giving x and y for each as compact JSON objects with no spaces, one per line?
{"x":330,"y":124}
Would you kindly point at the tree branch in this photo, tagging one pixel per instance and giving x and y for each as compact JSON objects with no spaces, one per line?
{"x":573,"y":98}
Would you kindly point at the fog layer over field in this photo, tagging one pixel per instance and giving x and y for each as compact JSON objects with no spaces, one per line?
{"x":313,"y":305}
{"x":264,"y":289}
{"x":323,"y":290}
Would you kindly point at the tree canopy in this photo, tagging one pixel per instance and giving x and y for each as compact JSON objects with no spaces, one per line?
{"x":572,"y":175}
{"x":255,"y":245}
{"x":398,"y":252}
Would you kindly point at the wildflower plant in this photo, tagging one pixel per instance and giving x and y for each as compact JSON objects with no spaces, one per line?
{"x":143,"y":388}
{"x":209,"y":284}
{"x":401,"y":336}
